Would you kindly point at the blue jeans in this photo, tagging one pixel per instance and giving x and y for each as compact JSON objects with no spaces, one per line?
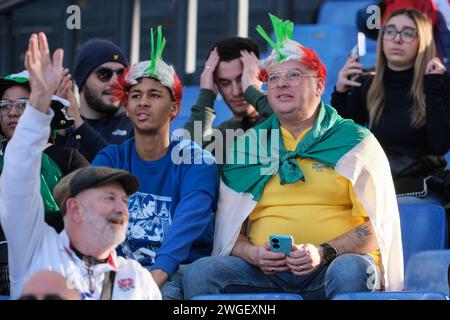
{"x":228,"y":274}
{"x":173,"y":288}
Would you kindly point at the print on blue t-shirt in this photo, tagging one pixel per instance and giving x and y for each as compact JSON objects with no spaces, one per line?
{"x":149,"y":221}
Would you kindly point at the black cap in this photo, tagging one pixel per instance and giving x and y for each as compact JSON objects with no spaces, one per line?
{"x":90,"y":177}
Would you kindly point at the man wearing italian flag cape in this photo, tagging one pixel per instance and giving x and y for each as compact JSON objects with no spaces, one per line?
{"x":307,"y":173}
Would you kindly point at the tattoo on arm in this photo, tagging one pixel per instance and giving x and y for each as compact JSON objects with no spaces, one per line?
{"x":362,"y":232}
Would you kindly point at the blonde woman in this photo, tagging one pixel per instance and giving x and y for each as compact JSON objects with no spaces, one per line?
{"x":405,"y":102}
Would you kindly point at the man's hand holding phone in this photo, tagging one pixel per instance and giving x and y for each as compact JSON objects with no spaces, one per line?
{"x":305,"y":259}
{"x":270,"y":262}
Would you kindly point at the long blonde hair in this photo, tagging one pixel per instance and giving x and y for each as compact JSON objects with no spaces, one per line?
{"x":425,"y":52}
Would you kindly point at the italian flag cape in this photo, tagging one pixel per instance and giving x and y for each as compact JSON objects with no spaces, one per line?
{"x":351,"y":150}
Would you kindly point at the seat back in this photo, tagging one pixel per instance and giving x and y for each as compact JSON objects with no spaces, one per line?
{"x":250,"y":296}
{"x":424,"y":227}
{"x":390,"y":296}
{"x":341,"y":12}
{"x":428,"y":271}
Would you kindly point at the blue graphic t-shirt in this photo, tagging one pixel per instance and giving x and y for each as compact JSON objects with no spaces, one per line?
{"x":171,"y":215}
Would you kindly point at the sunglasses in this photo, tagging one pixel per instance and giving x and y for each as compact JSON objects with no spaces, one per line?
{"x":105,"y":74}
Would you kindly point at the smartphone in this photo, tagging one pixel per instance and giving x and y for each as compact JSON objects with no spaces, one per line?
{"x":281,"y":243}
{"x":358,"y":51}
{"x":354,"y":53}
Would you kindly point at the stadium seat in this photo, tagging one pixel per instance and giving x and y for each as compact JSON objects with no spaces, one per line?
{"x":390,"y":296}
{"x":250,"y":296}
{"x":223,"y":113}
{"x":428,"y":271}
{"x":5,"y":298}
{"x":341,"y":12}
{"x":190,"y":94}
{"x":326,"y":39}
{"x":424,"y":227}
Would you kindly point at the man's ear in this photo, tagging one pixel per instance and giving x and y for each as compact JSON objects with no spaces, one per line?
{"x":125,"y":106}
{"x":175,"y":109}
{"x":73,"y":209}
{"x":320,"y":87}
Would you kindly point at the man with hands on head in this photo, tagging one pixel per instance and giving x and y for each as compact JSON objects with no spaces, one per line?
{"x":92,"y":200}
{"x":232,"y":70}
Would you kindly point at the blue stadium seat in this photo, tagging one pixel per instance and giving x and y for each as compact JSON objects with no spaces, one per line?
{"x":341,"y":12}
{"x":250,"y":296}
{"x":327,"y":40}
{"x":424,"y":227}
{"x":391,"y":296}
{"x":223,"y":113}
{"x":428,"y":271}
{"x":178,"y":123}
{"x":5,"y":298}
{"x":371,"y":45}
{"x":190,"y":94}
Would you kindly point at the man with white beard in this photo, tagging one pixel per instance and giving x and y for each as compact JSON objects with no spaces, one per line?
{"x":93,"y":201}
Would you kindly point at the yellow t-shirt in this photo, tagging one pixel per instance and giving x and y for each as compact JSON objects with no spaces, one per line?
{"x":320,"y":209}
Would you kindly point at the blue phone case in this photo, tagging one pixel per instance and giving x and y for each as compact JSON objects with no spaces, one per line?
{"x":281,"y":243}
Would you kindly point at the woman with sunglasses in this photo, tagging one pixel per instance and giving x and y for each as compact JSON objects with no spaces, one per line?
{"x":405,"y":103}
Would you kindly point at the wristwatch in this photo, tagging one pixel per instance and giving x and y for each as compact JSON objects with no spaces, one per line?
{"x":329,"y":252}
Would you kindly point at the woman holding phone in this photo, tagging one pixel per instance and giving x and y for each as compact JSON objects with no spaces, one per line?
{"x":405,"y":102}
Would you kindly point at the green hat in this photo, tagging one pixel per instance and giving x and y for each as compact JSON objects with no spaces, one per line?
{"x":59,"y":105}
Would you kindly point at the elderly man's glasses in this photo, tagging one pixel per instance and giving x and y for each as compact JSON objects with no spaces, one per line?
{"x":105,"y":74}
{"x":407,"y":34}
{"x":292,"y":77}
{"x":6,"y":106}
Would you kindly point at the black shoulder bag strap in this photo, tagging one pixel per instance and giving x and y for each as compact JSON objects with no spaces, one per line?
{"x":108,"y":285}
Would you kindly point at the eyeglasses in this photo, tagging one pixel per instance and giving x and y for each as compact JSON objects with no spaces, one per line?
{"x":407,"y":34}
{"x":46,"y":297}
{"x":7,"y":105}
{"x":292,"y":77}
{"x":105,"y":74}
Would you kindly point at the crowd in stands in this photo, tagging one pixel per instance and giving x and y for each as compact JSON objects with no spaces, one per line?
{"x":99,"y":201}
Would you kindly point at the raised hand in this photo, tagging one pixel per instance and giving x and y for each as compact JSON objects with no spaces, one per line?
{"x":435,"y":66}
{"x":351,"y":67}
{"x":65,"y":91}
{"x":65,"y":85}
{"x":250,"y":70}
{"x":207,"y":76}
{"x":45,"y":72}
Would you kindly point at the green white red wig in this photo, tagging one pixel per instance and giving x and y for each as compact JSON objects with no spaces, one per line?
{"x":286,"y":49}
{"x":154,"y":68}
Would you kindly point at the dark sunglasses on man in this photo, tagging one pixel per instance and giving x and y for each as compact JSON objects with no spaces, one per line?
{"x":105,"y":74}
